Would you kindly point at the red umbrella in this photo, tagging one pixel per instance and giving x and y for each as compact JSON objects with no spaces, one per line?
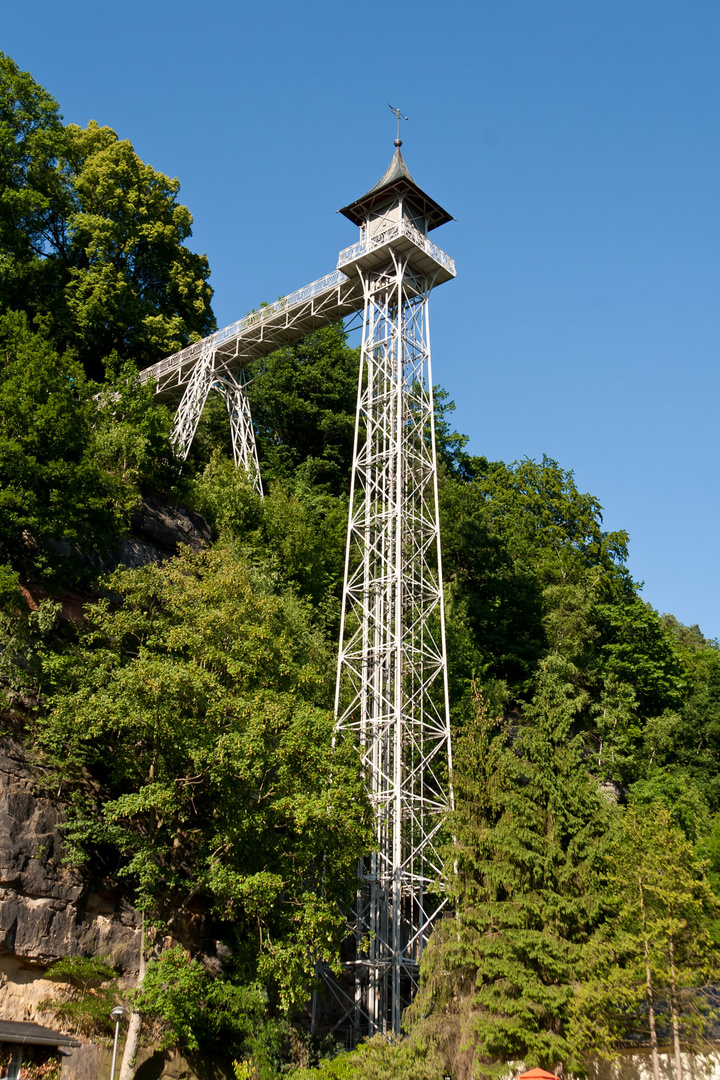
{"x":537,"y":1074}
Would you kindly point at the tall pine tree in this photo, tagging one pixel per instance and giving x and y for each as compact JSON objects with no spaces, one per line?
{"x":530,"y":829}
{"x":649,"y":961}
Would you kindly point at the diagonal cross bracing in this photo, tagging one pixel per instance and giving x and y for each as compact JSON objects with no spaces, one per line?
{"x":218,"y":361}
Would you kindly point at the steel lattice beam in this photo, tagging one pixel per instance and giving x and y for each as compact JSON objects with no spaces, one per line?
{"x":323,"y":302}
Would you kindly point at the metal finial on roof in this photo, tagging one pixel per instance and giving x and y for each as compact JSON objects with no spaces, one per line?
{"x":398,"y":116}
{"x":396,"y":182}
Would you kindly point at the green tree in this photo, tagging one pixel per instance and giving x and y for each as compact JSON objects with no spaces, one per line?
{"x":199,"y":706}
{"x":94,"y":988}
{"x":645,"y":691}
{"x":91,"y":238}
{"x":531,"y":572}
{"x":31,"y":188}
{"x":298,"y":536}
{"x":655,"y":950}
{"x":131,"y":439}
{"x":530,"y":827}
{"x":72,"y":464}
{"x":54,"y":496}
{"x":131,"y":286}
{"x":380,"y":1058}
{"x":637,"y":650}
{"x":692,"y":737}
{"x":528,"y":562}
{"x":303,"y":406}
{"x":28,"y":638}
{"x":195,"y":1010}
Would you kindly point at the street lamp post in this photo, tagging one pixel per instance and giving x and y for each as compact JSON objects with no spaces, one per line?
{"x":117,"y":1014}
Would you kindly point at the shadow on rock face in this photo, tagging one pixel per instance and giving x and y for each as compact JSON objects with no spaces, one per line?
{"x":152,"y":1069}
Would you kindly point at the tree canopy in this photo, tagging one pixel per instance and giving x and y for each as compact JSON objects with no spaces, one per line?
{"x":92,"y":240}
{"x":200,"y":704}
{"x":71,"y":462}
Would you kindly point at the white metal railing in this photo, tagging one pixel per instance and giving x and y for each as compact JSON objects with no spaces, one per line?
{"x":403,"y":228}
{"x":300,"y":296}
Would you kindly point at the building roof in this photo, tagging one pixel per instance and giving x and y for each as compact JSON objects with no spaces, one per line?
{"x":396,"y":181}
{"x":17,"y":1031}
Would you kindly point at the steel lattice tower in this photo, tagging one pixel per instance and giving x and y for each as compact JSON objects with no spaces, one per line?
{"x":392,"y":690}
{"x":391,"y":693}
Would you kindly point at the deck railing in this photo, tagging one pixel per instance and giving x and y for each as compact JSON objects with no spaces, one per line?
{"x":267,"y":311}
{"x":402,"y":228}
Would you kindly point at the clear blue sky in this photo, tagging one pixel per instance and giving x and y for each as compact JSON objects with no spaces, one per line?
{"x":575,"y":141}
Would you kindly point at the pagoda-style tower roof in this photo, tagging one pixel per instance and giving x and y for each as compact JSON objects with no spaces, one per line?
{"x":398,"y":182}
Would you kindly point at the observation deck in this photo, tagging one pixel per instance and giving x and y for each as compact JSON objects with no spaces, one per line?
{"x":373,"y":253}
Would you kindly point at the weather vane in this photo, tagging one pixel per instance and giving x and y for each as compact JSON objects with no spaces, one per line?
{"x":398,"y":116}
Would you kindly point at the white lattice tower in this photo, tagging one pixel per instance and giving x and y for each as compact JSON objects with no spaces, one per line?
{"x":392,"y":692}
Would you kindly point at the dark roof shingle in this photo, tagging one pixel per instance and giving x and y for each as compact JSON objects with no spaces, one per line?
{"x":396,"y":181}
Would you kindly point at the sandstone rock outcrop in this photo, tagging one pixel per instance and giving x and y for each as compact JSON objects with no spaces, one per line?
{"x":47,"y":910}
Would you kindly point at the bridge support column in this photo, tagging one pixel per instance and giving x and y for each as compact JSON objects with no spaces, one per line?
{"x":193,"y":402}
{"x":233,"y":387}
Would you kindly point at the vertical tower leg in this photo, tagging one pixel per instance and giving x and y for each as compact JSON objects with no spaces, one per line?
{"x":233,"y":387}
{"x":391,"y":691}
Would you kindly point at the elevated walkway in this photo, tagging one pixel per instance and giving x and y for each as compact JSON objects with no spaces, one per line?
{"x":328,"y":300}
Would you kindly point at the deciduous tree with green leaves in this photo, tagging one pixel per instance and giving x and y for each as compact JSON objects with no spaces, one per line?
{"x":303,"y":405}
{"x":91,"y":238}
{"x":71,"y":463}
{"x":52,"y":489}
{"x":199,"y":704}
{"x":528,"y":559}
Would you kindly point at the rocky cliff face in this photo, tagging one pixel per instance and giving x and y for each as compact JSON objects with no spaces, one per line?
{"x":46,"y":910}
{"x":158,"y":529}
